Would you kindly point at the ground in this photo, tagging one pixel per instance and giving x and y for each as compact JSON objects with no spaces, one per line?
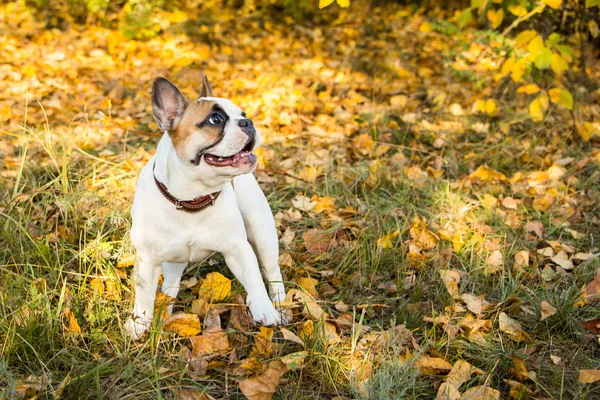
{"x":434,"y":239}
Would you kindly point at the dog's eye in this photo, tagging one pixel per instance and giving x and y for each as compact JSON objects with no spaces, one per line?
{"x":215,"y":119}
{"x":244,"y":114}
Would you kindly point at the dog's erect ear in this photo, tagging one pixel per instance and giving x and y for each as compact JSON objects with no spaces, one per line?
{"x":168,"y":104}
{"x":206,"y":90}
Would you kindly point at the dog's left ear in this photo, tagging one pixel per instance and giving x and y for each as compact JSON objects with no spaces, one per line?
{"x":206,"y":90}
{"x":168,"y":104}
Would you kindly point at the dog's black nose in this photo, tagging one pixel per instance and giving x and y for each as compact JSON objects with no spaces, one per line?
{"x":244,"y":123}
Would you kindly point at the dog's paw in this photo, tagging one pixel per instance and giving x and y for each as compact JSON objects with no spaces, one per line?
{"x":277,"y":291}
{"x":264,"y":313}
{"x":136,"y":328}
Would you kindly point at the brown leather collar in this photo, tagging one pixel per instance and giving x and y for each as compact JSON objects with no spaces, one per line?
{"x":190,"y":206}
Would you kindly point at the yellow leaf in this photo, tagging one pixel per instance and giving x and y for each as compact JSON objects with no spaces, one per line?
{"x":215,"y":287}
{"x":507,"y":66}
{"x":555,"y":4}
{"x":485,"y":174}
{"x":490,"y":107}
{"x":518,"y":70}
{"x":291,"y":336}
{"x":535,"y":46}
{"x":324,"y":203}
{"x":536,"y":108}
{"x":479,"y":105}
{"x":547,"y":310}
{"x":520,"y":370}
{"x":589,"y":375}
{"x":494,"y":263}
{"x":310,"y":285}
{"x":460,"y":373}
{"x":73,"y":326}
{"x":558,"y":64}
{"x":309,"y":174}
{"x":126,"y":261}
{"x":293,"y":361}
{"x":262,"y":343}
{"x":543,"y":59}
{"x":495,"y":17}
{"x":425,"y":27}
{"x":263,"y":386}
{"x":185,"y":325}
{"x":343,"y":3}
{"x":447,"y":392}
{"x":474,"y":303}
{"x":512,"y":328}
{"x":385,"y":241}
{"x":561,"y":97}
{"x":532,"y":88}
{"x":325,"y":3}
{"x":525,"y":37}
{"x":433,"y":366}
{"x":517,"y":10}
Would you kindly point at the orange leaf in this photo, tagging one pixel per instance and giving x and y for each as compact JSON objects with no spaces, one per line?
{"x":263,"y":386}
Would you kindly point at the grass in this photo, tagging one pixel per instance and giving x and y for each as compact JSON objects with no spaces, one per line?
{"x":66,"y":189}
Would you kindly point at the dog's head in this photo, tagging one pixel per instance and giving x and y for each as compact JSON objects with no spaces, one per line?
{"x":211,"y":134}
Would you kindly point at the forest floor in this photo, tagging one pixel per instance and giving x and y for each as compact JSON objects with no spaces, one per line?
{"x":434,"y":239}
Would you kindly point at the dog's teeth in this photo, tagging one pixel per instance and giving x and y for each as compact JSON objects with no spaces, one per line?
{"x":220,"y":159}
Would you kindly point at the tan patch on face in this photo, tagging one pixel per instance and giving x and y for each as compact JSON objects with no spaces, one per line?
{"x":195,"y":113}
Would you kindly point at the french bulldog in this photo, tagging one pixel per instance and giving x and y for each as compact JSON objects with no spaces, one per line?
{"x":198,"y":195}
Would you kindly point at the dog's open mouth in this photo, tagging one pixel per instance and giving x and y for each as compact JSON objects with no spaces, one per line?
{"x":243,"y":157}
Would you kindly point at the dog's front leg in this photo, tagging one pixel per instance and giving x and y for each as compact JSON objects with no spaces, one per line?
{"x":241,"y":260}
{"x":145,"y":276}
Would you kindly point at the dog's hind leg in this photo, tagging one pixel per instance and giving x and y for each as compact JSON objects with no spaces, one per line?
{"x":261,"y":231}
{"x":172,"y":273}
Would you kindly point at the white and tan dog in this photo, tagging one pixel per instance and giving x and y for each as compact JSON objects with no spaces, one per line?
{"x":197,"y":196}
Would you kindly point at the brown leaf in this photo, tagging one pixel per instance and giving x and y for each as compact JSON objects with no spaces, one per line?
{"x":474,"y":303}
{"x":521,"y":260}
{"x":212,"y":340}
{"x":520,"y":370}
{"x":547,"y":310}
{"x":451,"y":278}
{"x":481,"y":393}
{"x":592,"y":325}
{"x":291,"y":336}
{"x":263,"y":386}
{"x":593,"y":288}
{"x":536,"y":227}
{"x":240,"y":318}
{"x":494,"y":262}
{"x":318,"y":241}
{"x":185,"y":325}
{"x":294,"y":361}
{"x":389,"y":287}
{"x":510,"y":203}
{"x":589,"y":375}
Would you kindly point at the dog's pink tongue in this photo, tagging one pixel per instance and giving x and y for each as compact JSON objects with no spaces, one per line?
{"x":243,"y":158}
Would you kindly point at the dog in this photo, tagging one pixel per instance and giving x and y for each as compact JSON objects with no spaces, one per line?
{"x":197,"y":196}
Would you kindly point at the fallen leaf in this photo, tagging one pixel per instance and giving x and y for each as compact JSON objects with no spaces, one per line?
{"x":294,"y":361}
{"x":512,"y":328}
{"x":433,"y":366}
{"x":262,"y":343}
{"x":318,"y":241}
{"x":73,"y":325}
{"x":460,"y":373}
{"x":389,"y":287}
{"x":589,"y":375}
{"x":494,"y":263}
{"x":521,"y":260}
{"x":303,"y":203}
{"x":291,"y":336}
{"x":510,"y":203}
{"x":385,"y":241}
{"x":485,"y":174}
{"x":185,"y":325}
{"x":447,"y":392}
{"x":212,"y":340}
{"x":481,"y":393}
{"x":474,"y":303}
{"x":547,"y":310}
{"x":263,"y":386}
{"x":562,"y":260}
{"x":451,"y":278}
{"x":215,"y":287}
{"x":555,"y":359}
{"x":520,"y":370}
